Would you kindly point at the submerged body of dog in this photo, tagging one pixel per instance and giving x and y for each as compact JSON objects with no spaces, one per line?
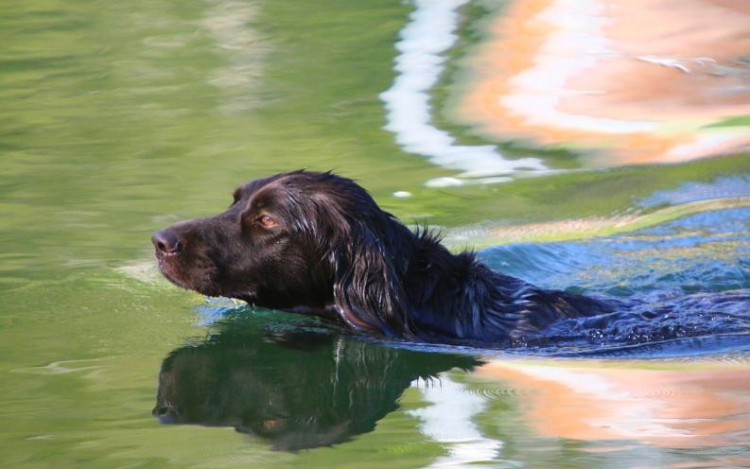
{"x":318,"y":243}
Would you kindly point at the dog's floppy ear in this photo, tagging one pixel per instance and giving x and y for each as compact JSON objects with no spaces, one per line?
{"x":367,"y":288}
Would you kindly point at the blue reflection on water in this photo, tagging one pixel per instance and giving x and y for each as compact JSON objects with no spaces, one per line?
{"x":683,"y":287}
{"x":729,"y":186}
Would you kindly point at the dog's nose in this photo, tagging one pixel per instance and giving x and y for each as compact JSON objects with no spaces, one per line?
{"x":166,"y":242}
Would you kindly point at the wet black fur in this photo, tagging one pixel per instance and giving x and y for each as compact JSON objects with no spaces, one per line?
{"x":335,"y":253}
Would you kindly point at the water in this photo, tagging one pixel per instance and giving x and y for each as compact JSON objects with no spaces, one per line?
{"x":681,"y":287}
{"x":120,"y":118}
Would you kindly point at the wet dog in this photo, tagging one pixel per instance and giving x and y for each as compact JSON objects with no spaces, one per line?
{"x":317,"y":243}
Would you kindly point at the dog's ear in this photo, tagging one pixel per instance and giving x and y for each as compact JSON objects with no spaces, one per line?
{"x":367,"y":286}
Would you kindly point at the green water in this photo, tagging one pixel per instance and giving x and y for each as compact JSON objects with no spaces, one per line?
{"x":118,"y":118}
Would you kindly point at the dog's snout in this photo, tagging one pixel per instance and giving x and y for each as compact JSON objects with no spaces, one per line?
{"x":166,"y":241}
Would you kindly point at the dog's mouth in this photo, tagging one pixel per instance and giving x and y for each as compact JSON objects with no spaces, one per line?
{"x":169,"y":276}
{"x":169,"y":271}
{"x":198,"y":275}
{"x":165,"y":255}
{"x":173,"y":268}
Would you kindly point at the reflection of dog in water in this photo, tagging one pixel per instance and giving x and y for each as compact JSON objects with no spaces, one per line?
{"x":297,"y":389}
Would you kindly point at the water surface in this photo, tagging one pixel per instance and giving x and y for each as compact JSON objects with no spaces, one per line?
{"x":120,"y":118}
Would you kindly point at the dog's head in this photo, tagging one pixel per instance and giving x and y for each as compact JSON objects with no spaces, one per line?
{"x":300,"y":239}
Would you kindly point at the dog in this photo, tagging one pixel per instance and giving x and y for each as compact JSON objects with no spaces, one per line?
{"x":317,"y":243}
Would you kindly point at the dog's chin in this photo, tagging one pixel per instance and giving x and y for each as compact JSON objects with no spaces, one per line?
{"x":175,"y":276}
{"x":202,"y":283}
{"x":173,"y":279}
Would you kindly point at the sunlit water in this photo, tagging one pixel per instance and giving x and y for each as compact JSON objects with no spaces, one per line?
{"x":681,"y":287}
{"x":120,"y":118}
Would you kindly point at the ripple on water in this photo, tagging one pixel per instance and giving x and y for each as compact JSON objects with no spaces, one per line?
{"x":723,"y":187}
{"x":682,"y":288}
{"x":495,"y":391}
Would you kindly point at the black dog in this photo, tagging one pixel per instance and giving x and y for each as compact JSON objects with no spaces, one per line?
{"x":318,"y":243}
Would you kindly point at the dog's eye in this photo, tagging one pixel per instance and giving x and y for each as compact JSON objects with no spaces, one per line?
{"x":267,"y":221}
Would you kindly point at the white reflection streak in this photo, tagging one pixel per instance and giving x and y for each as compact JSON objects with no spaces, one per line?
{"x":576,"y":44}
{"x":449,"y":421}
{"x":229,"y":23}
{"x":419,"y":64}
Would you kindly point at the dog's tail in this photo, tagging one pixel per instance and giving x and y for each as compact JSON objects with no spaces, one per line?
{"x":543,"y":307}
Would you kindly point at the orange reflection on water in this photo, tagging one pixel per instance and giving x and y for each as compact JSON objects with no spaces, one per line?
{"x":689,"y":405}
{"x":640,"y":79}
